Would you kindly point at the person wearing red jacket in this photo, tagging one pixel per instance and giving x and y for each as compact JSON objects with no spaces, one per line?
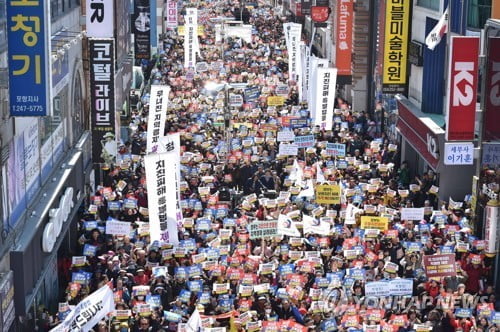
{"x":141,"y":278}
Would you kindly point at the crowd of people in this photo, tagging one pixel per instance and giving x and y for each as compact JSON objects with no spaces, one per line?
{"x":316,"y":268}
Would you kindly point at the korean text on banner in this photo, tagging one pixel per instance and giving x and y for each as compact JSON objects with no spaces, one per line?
{"x":397,"y":21}
{"x":171,"y":14}
{"x":440,"y":265}
{"x":28,"y":58}
{"x":369,"y":222}
{"x":89,"y":311}
{"x":328,"y":194}
{"x":102,"y":87}
{"x":161,"y":170}
{"x":326,"y":81}
{"x":462,"y":88}
{"x":100,"y":18}
{"x":412,"y":214}
{"x":157,"y":116}
{"x":191,"y":38}
{"x":119,"y":228}
{"x":263,"y":229}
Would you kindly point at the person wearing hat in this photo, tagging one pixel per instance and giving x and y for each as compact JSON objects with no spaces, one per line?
{"x":141,"y":277}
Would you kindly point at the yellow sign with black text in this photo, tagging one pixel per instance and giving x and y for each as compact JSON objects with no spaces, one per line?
{"x":369,"y":222}
{"x":275,"y":101}
{"x":397,"y":22}
{"x":328,"y":194}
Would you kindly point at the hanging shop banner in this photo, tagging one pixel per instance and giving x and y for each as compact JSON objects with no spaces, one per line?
{"x":369,"y":222}
{"x":100,"y":18}
{"x":440,"y":265}
{"x":263,"y":229}
{"x":292,"y":38}
{"x":326,"y":81}
{"x":89,"y":311}
{"x":344,"y":37}
{"x":141,"y":26}
{"x":459,"y":153}
{"x":462,"y":88}
{"x":491,"y":229}
{"x":102,"y":87}
{"x":190,"y":38}
{"x":491,"y":154}
{"x":328,"y":194}
{"x":161,"y":170}
{"x":491,"y":112}
{"x":28,"y":58}
{"x":172,"y":14}
{"x":397,"y":21}
{"x":157,"y":116}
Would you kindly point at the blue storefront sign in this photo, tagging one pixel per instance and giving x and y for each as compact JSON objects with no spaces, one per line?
{"x":27,"y":49}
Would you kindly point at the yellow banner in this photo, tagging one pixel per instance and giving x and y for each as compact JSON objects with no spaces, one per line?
{"x":397,"y":21}
{"x":380,"y":223}
{"x":328,"y":194}
{"x":275,"y":101}
{"x":180,"y":30}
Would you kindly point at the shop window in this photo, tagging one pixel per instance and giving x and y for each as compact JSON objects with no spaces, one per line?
{"x":429,"y":4}
{"x":477,"y":13}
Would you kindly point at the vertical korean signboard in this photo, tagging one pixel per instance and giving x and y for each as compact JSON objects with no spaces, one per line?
{"x":492,"y":93}
{"x":344,"y":37}
{"x":141,"y":26}
{"x":397,"y":23}
{"x":29,"y":80}
{"x":99,"y":18}
{"x":171,"y":14}
{"x":102,"y":74}
{"x":462,"y":88}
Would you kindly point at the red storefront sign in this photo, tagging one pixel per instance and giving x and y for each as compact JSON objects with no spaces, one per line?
{"x":319,"y":14}
{"x":418,"y":134}
{"x":491,"y":115}
{"x":344,"y":37}
{"x":462,"y":88}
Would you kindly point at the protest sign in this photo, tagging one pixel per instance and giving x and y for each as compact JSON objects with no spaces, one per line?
{"x":335,"y":149}
{"x":412,"y":213}
{"x":305,"y":141}
{"x":288,"y":149}
{"x":328,"y":194}
{"x":286,"y":136}
{"x":263,"y":229}
{"x":369,"y":222}
{"x":120,"y":228}
{"x":440,"y":265}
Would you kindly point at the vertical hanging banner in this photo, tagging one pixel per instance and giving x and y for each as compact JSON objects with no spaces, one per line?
{"x":292,"y":38}
{"x":492,"y":94}
{"x":141,"y":26}
{"x":100,"y":18}
{"x":157,"y":116}
{"x":102,"y":96}
{"x":397,"y":21}
{"x":161,"y":170}
{"x":306,"y":73}
{"x":326,"y":81}
{"x":190,"y":38}
{"x":462,"y":88}
{"x":171,"y":15}
{"x":28,"y":58}
{"x":344,"y":37}
{"x":316,"y":64}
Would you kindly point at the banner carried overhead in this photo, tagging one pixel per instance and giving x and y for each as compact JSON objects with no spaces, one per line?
{"x":89,"y":311}
{"x":326,"y":81}
{"x":463,"y":77}
{"x":316,"y":63}
{"x":157,"y":116}
{"x":292,"y":38}
{"x":161,"y":180}
{"x":397,"y":22}
{"x":190,"y":38}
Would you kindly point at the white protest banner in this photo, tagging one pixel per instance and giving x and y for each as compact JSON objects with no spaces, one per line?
{"x":286,"y":136}
{"x":288,"y":149}
{"x":305,"y":141}
{"x":89,"y":311}
{"x":377,"y":288}
{"x":263,"y":229}
{"x":326,"y":81}
{"x":292,"y":38}
{"x":400,"y":287}
{"x":190,"y":38}
{"x":286,"y":226}
{"x":335,"y":149}
{"x":315,"y":226}
{"x":120,"y":228}
{"x":412,"y":213}
{"x":161,"y":181}
{"x":157,"y":116}
{"x":316,"y":63}
{"x":306,"y":73}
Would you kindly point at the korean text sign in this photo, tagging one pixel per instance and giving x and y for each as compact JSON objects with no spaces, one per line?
{"x":462,"y":88}
{"x":28,"y":57}
{"x":328,"y":194}
{"x":396,"y":45}
{"x":459,"y":153}
{"x":380,"y":223}
{"x":263,"y":229}
{"x":439,"y":265}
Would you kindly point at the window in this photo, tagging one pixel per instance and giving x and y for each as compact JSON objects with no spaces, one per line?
{"x":429,"y":4}
{"x":477,"y":13}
